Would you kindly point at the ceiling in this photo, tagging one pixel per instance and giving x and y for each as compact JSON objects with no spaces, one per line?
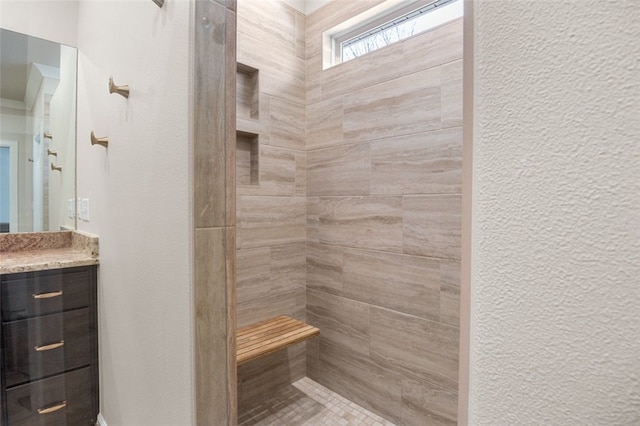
{"x":306,"y":6}
{"x":17,"y":51}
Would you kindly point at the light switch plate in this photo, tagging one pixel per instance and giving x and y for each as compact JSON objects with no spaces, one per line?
{"x":71,"y":208}
{"x":84,"y":210}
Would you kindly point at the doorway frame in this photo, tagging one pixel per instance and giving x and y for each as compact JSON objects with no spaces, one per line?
{"x":464,"y":358}
{"x":13,"y":182}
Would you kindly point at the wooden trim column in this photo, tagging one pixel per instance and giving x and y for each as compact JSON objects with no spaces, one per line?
{"x":214,"y":211}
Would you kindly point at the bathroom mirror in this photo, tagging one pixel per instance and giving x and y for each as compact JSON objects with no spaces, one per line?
{"x":37,"y":134}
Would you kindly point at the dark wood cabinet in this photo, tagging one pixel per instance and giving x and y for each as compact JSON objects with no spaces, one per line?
{"x":49,"y":357}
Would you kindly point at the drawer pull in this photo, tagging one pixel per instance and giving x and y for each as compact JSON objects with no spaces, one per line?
{"x":47,"y":295}
{"x":52,"y":408}
{"x":49,"y":347}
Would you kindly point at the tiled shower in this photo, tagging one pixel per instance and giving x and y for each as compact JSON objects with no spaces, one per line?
{"x":348,"y":210}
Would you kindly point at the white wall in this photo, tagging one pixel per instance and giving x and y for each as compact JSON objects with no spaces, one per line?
{"x":555,"y":335}
{"x":139,"y":192}
{"x":39,"y":156}
{"x":54,"y":20}
{"x":62,"y":124}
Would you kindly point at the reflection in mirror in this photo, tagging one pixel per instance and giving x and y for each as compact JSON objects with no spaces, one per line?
{"x":37,"y":131}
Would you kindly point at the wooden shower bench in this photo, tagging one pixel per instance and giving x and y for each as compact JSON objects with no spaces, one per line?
{"x":268,"y":336}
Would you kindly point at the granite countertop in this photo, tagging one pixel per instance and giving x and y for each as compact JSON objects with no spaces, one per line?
{"x":39,"y":251}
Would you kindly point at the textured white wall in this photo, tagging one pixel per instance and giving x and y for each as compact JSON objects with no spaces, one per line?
{"x":139,"y":191}
{"x":555,"y":335}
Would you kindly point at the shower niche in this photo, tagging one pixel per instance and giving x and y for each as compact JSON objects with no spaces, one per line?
{"x":247,"y":93}
{"x":247,"y":155}
{"x":248,"y":125}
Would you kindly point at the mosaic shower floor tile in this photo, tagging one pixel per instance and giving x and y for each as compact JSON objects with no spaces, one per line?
{"x":307,"y":403}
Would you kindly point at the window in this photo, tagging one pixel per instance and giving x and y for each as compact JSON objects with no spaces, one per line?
{"x":395,"y":21}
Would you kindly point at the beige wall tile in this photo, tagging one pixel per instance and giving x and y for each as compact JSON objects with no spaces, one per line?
{"x":280,"y":75}
{"x":324,"y":123}
{"x":253,"y":273}
{"x":424,"y":403}
{"x":391,"y":118}
{"x":287,"y":120}
{"x":341,"y":170}
{"x":431,"y":225}
{"x":301,"y":174}
{"x":313,"y":219}
{"x":301,"y":28}
{"x":416,"y":346}
{"x":451,"y":75}
{"x":282,"y":172}
{"x":353,"y":75}
{"x":341,"y":321}
{"x":363,"y":222}
{"x":450,"y":292}
{"x":315,"y":77}
{"x":288,"y":270}
{"x":422,"y":163}
{"x":433,"y":48}
{"x":370,"y":384}
{"x":313,"y":356}
{"x":268,"y":271}
{"x":325,"y":268}
{"x":403,"y":283}
{"x":271,"y":21}
{"x":264,"y":221}
{"x":402,"y":106}
{"x":277,"y":171}
{"x":256,"y":310}
{"x":421,"y":52}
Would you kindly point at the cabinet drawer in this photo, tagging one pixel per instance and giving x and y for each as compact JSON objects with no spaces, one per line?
{"x":46,"y":345}
{"x":65,"y":399}
{"x":40,"y":293}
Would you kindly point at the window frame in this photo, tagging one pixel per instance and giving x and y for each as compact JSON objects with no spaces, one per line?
{"x":384,"y":17}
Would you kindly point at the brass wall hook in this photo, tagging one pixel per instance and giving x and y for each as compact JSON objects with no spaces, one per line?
{"x":120,"y":90}
{"x":58,"y":168}
{"x":48,"y":135}
{"x":54,"y":153}
{"x":99,"y":141}
{"x":160,"y":3}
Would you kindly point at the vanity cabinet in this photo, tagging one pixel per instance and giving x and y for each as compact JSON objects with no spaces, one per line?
{"x":49,"y":357}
